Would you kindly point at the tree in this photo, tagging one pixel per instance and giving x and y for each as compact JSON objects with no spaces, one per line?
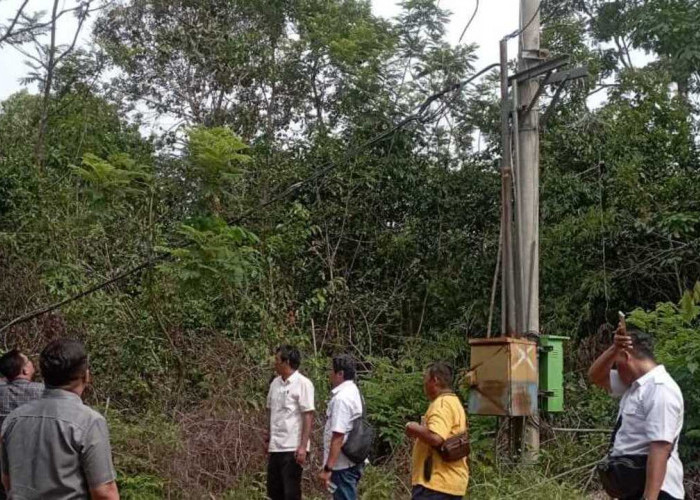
{"x":251,"y":65}
{"x":666,"y":28}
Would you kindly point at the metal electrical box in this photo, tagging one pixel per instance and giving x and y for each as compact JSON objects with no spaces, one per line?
{"x":552,"y":372}
{"x":503,"y":377}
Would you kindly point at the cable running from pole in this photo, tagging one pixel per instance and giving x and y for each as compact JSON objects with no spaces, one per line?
{"x":532,"y":19}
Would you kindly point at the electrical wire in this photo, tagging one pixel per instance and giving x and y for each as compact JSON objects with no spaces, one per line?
{"x":532,"y":19}
{"x":476,"y":9}
{"x":418,"y":116}
{"x":552,"y":14}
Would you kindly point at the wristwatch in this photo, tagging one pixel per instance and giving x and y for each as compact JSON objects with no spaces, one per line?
{"x":327,"y":469}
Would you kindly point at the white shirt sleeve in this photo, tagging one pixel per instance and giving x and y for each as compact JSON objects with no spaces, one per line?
{"x":306,"y":396}
{"x":269,"y":395}
{"x":341,"y":417}
{"x":617,"y":386}
{"x":664,"y":415}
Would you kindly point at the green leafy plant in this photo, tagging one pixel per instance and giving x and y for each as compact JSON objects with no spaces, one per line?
{"x":213,"y":251}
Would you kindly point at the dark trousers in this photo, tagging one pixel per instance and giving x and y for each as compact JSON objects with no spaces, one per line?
{"x":662,"y":496}
{"x":346,"y":480}
{"x":420,"y":492}
{"x":283,"y":476}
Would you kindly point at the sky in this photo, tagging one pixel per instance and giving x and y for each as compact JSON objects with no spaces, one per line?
{"x":495,"y":19}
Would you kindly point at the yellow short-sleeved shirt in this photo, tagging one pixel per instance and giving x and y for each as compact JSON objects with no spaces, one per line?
{"x":446,"y":418}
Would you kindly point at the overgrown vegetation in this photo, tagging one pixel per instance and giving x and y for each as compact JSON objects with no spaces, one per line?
{"x":388,"y":255}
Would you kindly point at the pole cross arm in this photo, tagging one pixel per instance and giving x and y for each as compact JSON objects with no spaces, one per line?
{"x":540,"y":69}
{"x":540,"y":89}
{"x":568,"y":75}
{"x":563,"y":77}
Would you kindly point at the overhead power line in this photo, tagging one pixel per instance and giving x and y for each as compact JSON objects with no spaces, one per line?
{"x":552,"y":14}
{"x":418,"y":116}
{"x":532,"y":19}
{"x":476,"y":9}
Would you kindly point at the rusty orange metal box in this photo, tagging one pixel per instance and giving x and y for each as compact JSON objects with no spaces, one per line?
{"x":503,"y":377}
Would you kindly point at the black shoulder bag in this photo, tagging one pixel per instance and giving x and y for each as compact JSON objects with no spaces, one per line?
{"x":625,"y":475}
{"x":360,"y":438}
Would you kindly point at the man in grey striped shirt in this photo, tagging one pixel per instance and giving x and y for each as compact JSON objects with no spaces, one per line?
{"x":19,"y":372}
{"x":18,"y":388}
{"x":56,"y":447}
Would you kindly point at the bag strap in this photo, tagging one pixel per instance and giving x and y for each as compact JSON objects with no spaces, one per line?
{"x":675,"y":442}
{"x":618,"y":424}
{"x":617,"y":428}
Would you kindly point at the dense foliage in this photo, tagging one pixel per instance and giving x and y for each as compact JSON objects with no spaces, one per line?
{"x":385,"y":251}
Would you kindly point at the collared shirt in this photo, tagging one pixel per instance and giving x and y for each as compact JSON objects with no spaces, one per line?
{"x":344,"y":408}
{"x":651,"y":410}
{"x":16,"y":393}
{"x":56,"y":447}
{"x":288,"y":400}
{"x":446,"y":418}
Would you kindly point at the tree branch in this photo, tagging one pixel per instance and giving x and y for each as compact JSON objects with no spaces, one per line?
{"x":9,"y":33}
{"x":81,"y":21}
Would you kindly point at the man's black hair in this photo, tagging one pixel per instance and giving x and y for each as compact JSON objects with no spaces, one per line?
{"x":442,"y":372}
{"x":642,"y":344}
{"x":344,"y":363}
{"x":290,"y":354}
{"x":11,"y":364}
{"x":63,"y":361}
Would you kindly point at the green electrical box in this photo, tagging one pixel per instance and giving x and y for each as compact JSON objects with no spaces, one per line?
{"x":552,"y":373}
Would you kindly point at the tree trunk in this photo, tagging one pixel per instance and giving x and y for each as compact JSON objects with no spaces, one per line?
{"x":40,"y":147}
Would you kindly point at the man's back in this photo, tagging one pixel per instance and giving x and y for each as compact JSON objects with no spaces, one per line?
{"x":56,"y":447}
{"x":17,"y":393}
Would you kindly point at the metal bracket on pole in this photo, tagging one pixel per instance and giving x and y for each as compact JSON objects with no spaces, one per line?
{"x":539,"y":70}
{"x":563,"y":77}
{"x":555,"y":99}
{"x":551,"y":76}
{"x":548,"y":68}
{"x":571,"y":74}
{"x":538,"y":94}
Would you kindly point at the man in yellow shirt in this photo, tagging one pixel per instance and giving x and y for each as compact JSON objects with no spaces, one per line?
{"x":431,"y":477}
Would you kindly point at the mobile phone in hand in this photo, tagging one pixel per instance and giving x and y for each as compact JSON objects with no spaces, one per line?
{"x":622,"y":322}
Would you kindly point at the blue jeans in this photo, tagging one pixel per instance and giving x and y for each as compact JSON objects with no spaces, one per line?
{"x":346,"y":480}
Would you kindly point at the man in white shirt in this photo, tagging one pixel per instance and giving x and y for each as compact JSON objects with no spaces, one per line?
{"x":650,"y":418}
{"x":291,"y":404}
{"x":339,"y":473}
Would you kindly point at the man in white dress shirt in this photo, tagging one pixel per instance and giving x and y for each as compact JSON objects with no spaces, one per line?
{"x":344,"y":408}
{"x":290,"y":401}
{"x":650,"y":418}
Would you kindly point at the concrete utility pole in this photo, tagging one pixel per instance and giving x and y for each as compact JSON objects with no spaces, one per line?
{"x":520,"y":124}
{"x":527,"y":181}
{"x":508,"y":296}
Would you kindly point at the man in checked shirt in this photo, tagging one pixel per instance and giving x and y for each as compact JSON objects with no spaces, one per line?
{"x":19,"y":389}
{"x":19,"y":371}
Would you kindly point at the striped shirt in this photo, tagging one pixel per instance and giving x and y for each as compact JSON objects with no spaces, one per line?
{"x":16,"y":393}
